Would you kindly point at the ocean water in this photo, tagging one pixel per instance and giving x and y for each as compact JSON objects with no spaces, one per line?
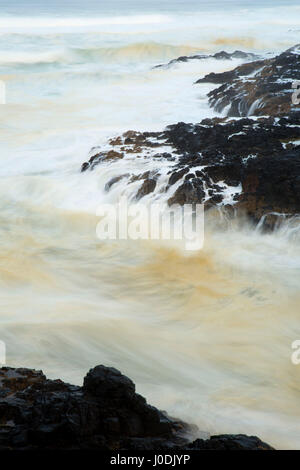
{"x":205,"y":336}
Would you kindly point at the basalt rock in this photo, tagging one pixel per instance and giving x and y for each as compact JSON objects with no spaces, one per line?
{"x":222,"y":55}
{"x":230,"y":442}
{"x":147,"y":187}
{"x":38,"y":413}
{"x":104,"y":414}
{"x":131,"y":142}
{"x":260,"y":158}
{"x":100,"y":157}
{"x":190,"y":192}
{"x":251,"y":164}
{"x":259,"y":88}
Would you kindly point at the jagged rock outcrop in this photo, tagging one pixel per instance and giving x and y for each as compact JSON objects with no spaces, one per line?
{"x":260,"y":157}
{"x":36,"y":412}
{"x":222,"y":55}
{"x":251,"y":165}
{"x":131,"y":142}
{"x":104,"y":414}
{"x":259,"y":88}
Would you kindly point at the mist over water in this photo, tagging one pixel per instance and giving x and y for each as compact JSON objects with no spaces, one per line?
{"x":205,"y":335}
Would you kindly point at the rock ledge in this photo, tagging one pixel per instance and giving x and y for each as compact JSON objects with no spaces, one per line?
{"x":104,"y":414}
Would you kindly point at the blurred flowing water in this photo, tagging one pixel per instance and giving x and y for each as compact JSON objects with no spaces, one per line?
{"x":205,"y":335}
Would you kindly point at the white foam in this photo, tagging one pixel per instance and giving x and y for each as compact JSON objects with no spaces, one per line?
{"x":23,"y":23}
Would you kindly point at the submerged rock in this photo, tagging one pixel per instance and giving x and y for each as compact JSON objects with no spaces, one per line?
{"x":115,"y":180}
{"x":104,"y":414}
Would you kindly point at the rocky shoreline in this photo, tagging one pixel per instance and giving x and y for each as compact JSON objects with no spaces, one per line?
{"x":258,"y":88}
{"x":246,"y":165}
{"x":222,"y":55}
{"x":105,"y":414}
{"x":246,"y":161}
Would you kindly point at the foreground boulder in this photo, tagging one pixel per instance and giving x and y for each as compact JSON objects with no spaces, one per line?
{"x":104,"y":414}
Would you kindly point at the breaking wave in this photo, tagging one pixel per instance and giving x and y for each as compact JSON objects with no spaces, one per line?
{"x":135,"y":51}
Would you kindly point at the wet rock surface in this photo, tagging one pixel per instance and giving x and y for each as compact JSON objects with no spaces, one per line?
{"x":222,"y":55}
{"x":251,"y":164}
{"x":261,"y":158}
{"x":259,"y":88}
{"x":104,"y":414}
{"x":230,"y":442}
{"x":131,"y":142}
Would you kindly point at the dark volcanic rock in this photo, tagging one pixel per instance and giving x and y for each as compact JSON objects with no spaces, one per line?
{"x":177,"y":175}
{"x":190,"y":192}
{"x":147,"y":187}
{"x":100,"y":157}
{"x":131,"y":142}
{"x":217,"y":78}
{"x":103,"y":382}
{"x":218,"y":55}
{"x":258,"y":160}
{"x":240,"y":71}
{"x":38,"y":413}
{"x":251,"y":164}
{"x":260,"y":88}
{"x":272,"y":185}
{"x":259,"y":156}
{"x":230,"y":442}
{"x":105,"y":414}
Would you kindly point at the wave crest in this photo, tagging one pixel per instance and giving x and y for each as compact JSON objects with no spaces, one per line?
{"x":135,"y":51}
